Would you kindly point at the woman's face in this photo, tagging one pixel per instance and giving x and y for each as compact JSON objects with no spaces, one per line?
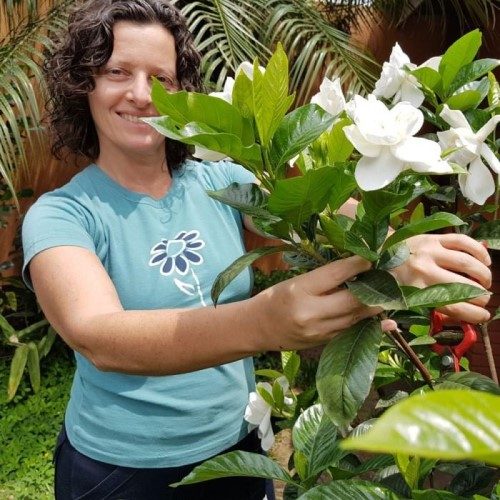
{"x":123,"y":87}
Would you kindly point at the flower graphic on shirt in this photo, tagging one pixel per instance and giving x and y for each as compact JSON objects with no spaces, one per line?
{"x":178,"y":255}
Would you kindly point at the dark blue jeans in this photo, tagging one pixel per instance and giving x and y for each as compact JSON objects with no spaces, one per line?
{"x":79,"y":477}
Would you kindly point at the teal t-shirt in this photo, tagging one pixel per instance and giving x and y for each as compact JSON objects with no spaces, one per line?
{"x":161,"y":253}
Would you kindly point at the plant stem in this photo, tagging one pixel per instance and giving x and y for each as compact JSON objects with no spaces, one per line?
{"x":489,"y":352}
{"x":396,"y":334}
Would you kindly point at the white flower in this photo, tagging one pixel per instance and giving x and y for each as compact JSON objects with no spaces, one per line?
{"x":395,"y":81}
{"x":330,"y":96}
{"x":477,"y":184}
{"x":258,"y":412}
{"x":225,"y":95}
{"x":385,"y":139}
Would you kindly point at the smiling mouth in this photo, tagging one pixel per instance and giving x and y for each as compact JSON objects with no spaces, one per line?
{"x":132,"y":118}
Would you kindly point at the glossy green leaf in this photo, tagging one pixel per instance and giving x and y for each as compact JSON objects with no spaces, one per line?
{"x":493,"y":93}
{"x":375,"y":463}
{"x":200,"y":134}
{"x":17,"y":366}
{"x":272,"y":374}
{"x":338,"y":145}
{"x":459,"y":54}
{"x":296,"y":131}
{"x":472,"y":380}
{"x":185,"y":107}
{"x":290,"y":361}
{"x":427,"y":76}
{"x":335,"y":228}
{"x":315,"y":436}
{"x":346,"y":370}
{"x":228,"y":275}
{"x":454,"y":425}
{"x":490,"y":233}
{"x":349,"y":489}
{"x":378,"y":288}
{"x":297,"y":198}
{"x":394,"y":257}
{"x":46,"y":342}
{"x":247,"y":198}
{"x":33,"y":363}
{"x":343,"y":187}
{"x":236,"y":463}
{"x":271,"y":99}
{"x":465,"y":100}
{"x":473,"y":71}
{"x":243,"y":95}
{"x":431,"y":223}
{"x":409,"y":468}
{"x":355,"y":244}
{"x":442,"y":294}
{"x":423,"y":340}
{"x":472,"y":480}
{"x":431,"y":494}
{"x":7,"y":329}
{"x":373,"y":232}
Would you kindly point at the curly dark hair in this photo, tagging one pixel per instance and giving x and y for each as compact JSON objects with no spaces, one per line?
{"x":88,"y":44}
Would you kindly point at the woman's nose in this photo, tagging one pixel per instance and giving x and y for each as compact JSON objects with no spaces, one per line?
{"x":139,"y":91}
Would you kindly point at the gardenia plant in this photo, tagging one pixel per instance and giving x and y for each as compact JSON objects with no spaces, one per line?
{"x":371,"y":148}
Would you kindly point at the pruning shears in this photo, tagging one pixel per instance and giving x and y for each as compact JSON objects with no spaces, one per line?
{"x":453,"y":341}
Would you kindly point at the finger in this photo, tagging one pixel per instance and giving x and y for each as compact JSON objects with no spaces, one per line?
{"x":465,"y":311}
{"x":467,"y":265}
{"x":466,"y":244}
{"x":329,"y":276}
{"x":388,"y":325}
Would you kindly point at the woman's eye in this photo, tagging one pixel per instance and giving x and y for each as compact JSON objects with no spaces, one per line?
{"x":115,"y":73}
{"x":167,"y":82}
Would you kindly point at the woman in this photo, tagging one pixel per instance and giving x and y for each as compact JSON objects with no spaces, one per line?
{"x":122,"y":259}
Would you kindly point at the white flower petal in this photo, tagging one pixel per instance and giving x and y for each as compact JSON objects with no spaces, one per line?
{"x":454,"y":118}
{"x":478,"y":185}
{"x":487,"y":128}
{"x":417,"y":149}
{"x":436,"y":166}
{"x":360,"y":143}
{"x":266,"y":434}
{"x":247,"y":68}
{"x":389,"y":82}
{"x":411,"y":93}
{"x":330,"y":96}
{"x":256,"y":409}
{"x":432,"y":63}
{"x":407,"y":118}
{"x":376,"y":173}
{"x":207,"y":154}
{"x":490,"y":158}
{"x":398,"y":58}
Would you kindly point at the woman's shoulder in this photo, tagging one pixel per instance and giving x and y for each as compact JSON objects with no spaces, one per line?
{"x":217,"y":174}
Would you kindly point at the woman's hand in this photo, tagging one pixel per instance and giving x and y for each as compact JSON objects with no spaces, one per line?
{"x":449,"y":258}
{"x":310,"y":309}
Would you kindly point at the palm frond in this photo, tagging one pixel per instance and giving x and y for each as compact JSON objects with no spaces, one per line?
{"x":317,"y":49}
{"x":21,"y":89}
{"x":226,"y":33}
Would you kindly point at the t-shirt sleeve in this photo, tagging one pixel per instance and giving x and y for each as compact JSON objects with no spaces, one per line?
{"x":237,"y":173}
{"x":52,"y":222}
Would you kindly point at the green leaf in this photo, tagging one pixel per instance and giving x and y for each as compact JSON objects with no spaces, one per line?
{"x":243,"y":95}
{"x":228,"y":275}
{"x":409,"y":468}
{"x":423,"y":340}
{"x":378,"y":288}
{"x":372,"y":232}
{"x":271,"y":99}
{"x":490,"y":233}
{"x":335,"y":228}
{"x":16,"y":370}
{"x":315,"y":436}
{"x":7,"y":329}
{"x":394,"y":257}
{"x":357,"y":246}
{"x":472,"y":380}
{"x":465,"y":100}
{"x":296,"y":131}
{"x":272,"y":374}
{"x":191,"y":107}
{"x":349,"y":489}
{"x":493,"y":93}
{"x":442,"y":294}
{"x":343,"y":186}
{"x":346,"y":370}
{"x":33,"y":362}
{"x":339,"y":146}
{"x":236,"y":463}
{"x":431,"y":223}
{"x":431,"y":494}
{"x":278,"y":395}
{"x":427,"y":76}
{"x":46,"y":342}
{"x":471,"y":480}
{"x":297,"y":198}
{"x":459,"y":54}
{"x":247,"y":198}
{"x":290,"y":361}
{"x":467,"y":423}
{"x":200,"y":134}
{"x":472,"y":71}
{"x":418,"y":213}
